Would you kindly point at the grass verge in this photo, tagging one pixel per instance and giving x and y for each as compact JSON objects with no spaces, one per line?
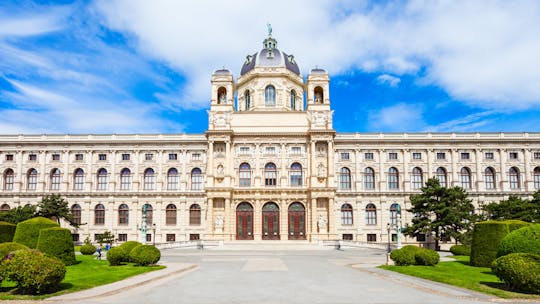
{"x":460,"y":273}
{"x":88,"y":273}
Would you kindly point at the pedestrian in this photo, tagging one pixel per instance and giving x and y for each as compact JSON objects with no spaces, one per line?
{"x":107,"y":247}
{"x":99,"y":252}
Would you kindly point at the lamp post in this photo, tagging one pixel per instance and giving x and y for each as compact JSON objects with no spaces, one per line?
{"x":143,"y":225}
{"x":388,"y":227}
{"x":154,"y":234}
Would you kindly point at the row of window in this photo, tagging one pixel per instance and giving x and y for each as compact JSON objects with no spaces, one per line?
{"x":417,"y":178}
{"x":102,"y":177}
{"x":439,"y":155}
{"x":103,"y":156}
{"x":270,"y":175}
{"x":371,"y":214}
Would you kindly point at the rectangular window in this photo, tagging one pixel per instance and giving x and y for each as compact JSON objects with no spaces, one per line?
{"x":270,"y":150}
{"x":345,"y":156}
{"x":417,"y":155}
{"x":368,"y":156}
{"x":488,"y":155}
{"x":173,"y":156}
{"x":465,"y":155}
{"x":75,"y":237}
{"x":536,"y":155}
{"x":394,"y":237}
{"x":56,"y":157}
{"x":79,"y":156}
{"x":97,"y":236}
{"x":392,"y":155}
{"x":148,"y":156}
{"x":371,"y":237}
{"x":322,"y":203}
{"x":149,"y":237}
{"x":441,"y":155}
{"x":126,"y":156}
{"x":102,"y":156}
{"x":421,"y":237}
{"x":32,"y":157}
{"x":171,"y":237}
{"x":513,"y":155}
{"x":122,"y":237}
{"x":219,"y":203}
{"x":196,"y":156}
{"x":347,"y":237}
{"x":194,"y":237}
{"x":244,"y":150}
{"x":9,"y":157}
{"x":296,"y":150}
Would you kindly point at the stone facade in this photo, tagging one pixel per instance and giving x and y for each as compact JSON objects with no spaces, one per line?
{"x":270,"y":166}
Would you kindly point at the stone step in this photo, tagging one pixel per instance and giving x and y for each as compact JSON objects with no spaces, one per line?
{"x":270,"y":245}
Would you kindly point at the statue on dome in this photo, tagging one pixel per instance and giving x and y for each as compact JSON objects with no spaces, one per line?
{"x":269,"y":28}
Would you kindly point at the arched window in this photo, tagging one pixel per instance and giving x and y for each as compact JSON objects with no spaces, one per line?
{"x":149,"y":214}
{"x":371,"y":214}
{"x":536,"y":178}
{"x":123,"y":214}
{"x":514,"y":178}
{"x":440,"y":174}
{"x":102,"y":179}
{"x":296,"y":175}
{"x":247,"y":99}
{"x":394,"y":211}
{"x":345,"y":178}
{"x":417,"y":180}
{"x":270,"y":175}
{"x":31,"y":179}
{"x":293,"y":100}
{"x":465,"y":176}
{"x":393,"y":178}
{"x":99,"y":214}
{"x":369,"y":178}
{"x":245,"y":175}
{"x":196,"y":179}
{"x":346,"y":214}
{"x":170,"y":214}
{"x":76,"y":212}
{"x":489,"y":178}
{"x":195,"y":214}
{"x":172,"y":179}
{"x":149,"y":179}
{"x":4,"y":208}
{"x":125,"y":179}
{"x":9,"y":176}
{"x":222,"y":95}
{"x":55,"y":179}
{"x":318,"y":95}
{"x":78,"y":179}
{"x":270,"y":96}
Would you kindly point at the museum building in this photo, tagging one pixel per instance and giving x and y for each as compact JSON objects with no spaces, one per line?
{"x":269,"y":167}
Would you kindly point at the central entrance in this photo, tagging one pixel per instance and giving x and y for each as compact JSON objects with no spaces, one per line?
{"x":244,"y":221}
{"x":270,"y":221}
{"x":297,"y":221}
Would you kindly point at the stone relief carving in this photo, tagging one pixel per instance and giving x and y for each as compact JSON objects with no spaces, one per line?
{"x":218,"y":222}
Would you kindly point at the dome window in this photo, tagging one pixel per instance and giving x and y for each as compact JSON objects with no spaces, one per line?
{"x":293,"y":100}
{"x":247,"y":98}
{"x":270,"y":96}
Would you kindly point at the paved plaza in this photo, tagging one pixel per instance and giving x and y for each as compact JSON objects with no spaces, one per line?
{"x":284,"y":276}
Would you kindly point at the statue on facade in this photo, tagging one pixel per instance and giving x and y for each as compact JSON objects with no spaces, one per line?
{"x":218,"y":222}
{"x":321,"y":222}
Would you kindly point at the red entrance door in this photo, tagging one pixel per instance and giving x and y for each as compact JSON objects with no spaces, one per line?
{"x":244,"y":222}
{"x":297,"y":222}
{"x":270,"y":222}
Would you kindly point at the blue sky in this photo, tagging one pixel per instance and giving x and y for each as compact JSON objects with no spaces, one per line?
{"x":128,"y":66}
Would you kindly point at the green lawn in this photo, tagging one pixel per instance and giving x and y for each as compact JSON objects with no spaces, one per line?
{"x":459,"y":273}
{"x":86,"y":274}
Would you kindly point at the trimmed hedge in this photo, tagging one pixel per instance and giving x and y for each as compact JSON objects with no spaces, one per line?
{"x":525,"y":240}
{"x":520,"y":271}
{"x":144,"y":255}
{"x":116,"y":256}
{"x":427,"y":257}
{"x":460,"y":250}
{"x":8,"y":247}
{"x":33,"y":272}
{"x":87,"y":249}
{"x":7,"y":231}
{"x":27,"y":232}
{"x":57,"y":242}
{"x":487,"y":237}
{"x":128,"y":246}
{"x":405,"y":255}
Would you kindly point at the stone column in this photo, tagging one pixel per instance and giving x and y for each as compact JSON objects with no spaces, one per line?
{"x":229,"y":219}
{"x":331,"y":218}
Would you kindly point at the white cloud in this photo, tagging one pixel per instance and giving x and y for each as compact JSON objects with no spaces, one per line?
{"x":400,"y":117}
{"x":484,"y":53}
{"x":389,"y":80}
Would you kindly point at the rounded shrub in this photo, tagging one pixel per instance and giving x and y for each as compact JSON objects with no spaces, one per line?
{"x":405,"y":255}
{"x":27,"y":232}
{"x":8,"y":247}
{"x":520,"y":271}
{"x":525,"y":240}
{"x":487,"y":237}
{"x":460,"y":250}
{"x":129,"y":245}
{"x":116,"y":256}
{"x":426,"y":257}
{"x":33,"y":272}
{"x":57,"y":242}
{"x":7,"y":231}
{"x":143,"y":255}
{"x":87,"y":249}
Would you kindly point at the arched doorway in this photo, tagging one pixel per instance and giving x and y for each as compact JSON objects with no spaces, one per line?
{"x":244,"y":221}
{"x":297,"y":221}
{"x":270,"y":221}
